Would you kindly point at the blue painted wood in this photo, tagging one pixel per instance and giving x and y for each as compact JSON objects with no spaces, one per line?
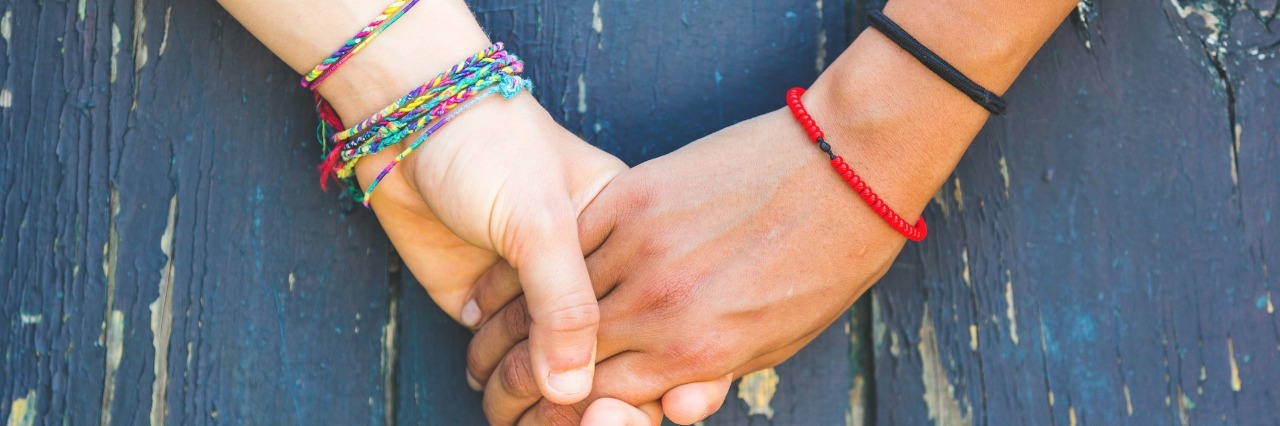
{"x":1118,"y":222}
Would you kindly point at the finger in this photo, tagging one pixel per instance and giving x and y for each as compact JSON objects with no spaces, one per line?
{"x":510,"y":325}
{"x":498,"y":286}
{"x":512,"y":390}
{"x":611,"y":412}
{"x":562,"y":304}
{"x":691,"y":403}
{"x":498,"y":335}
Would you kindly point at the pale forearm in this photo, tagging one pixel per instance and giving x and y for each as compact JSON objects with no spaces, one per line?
{"x":430,"y":38}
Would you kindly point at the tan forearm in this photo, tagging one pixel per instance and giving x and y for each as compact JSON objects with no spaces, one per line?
{"x":902,"y":126}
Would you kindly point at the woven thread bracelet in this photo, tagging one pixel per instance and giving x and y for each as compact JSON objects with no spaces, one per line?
{"x":427,"y":107}
{"x":913,"y":233}
{"x":362,"y":38}
{"x":986,"y":98}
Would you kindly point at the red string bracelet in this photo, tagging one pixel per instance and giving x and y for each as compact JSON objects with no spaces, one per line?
{"x":913,"y":233}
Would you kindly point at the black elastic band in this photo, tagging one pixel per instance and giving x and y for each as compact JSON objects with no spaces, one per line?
{"x":991,"y":101}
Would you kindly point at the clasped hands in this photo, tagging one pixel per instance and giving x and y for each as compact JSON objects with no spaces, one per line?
{"x":604,"y":295}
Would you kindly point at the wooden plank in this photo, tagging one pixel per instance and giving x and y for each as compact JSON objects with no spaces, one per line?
{"x":232,"y":288}
{"x":1101,"y":255}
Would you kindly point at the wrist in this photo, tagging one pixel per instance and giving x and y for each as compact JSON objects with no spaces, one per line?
{"x":425,"y":42}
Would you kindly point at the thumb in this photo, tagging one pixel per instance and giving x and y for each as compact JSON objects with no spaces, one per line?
{"x":563,"y":309}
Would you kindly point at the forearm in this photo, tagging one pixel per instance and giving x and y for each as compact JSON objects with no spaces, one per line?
{"x":901,"y":126}
{"x":429,"y":39}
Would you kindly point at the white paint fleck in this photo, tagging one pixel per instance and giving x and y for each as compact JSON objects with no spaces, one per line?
{"x":139,"y":30}
{"x":1235,"y":368}
{"x":22,"y":411}
{"x":1004,"y":173}
{"x":30,"y":319}
{"x":757,"y":390}
{"x":115,"y":50}
{"x":6,"y":27}
{"x":820,"y":61}
{"x":114,"y":330}
{"x":959,"y":196}
{"x":582,"y":93}
{"x":973,"y":337}
{"x":6,"y":98}
{"x":1271,"y":309}
{"x":597,"y":24}
{"x":1010,"y":311}
{"x":1235,"y":152}
{"x":164,"y":41}
{"x":162,"y":322}
{"x":964,"y":258}
{"x":1128,"y":402}
{"x":292,"y":280}
{"x":939,"y":393}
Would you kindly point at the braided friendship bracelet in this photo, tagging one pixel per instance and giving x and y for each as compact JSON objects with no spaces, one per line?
{"x":362,"y":38}
{"x":913,"y":233}
{"x":987,"y":99}
{"x":429,"y":106}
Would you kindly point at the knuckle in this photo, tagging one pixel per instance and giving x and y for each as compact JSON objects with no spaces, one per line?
{"x":517,"y":375}
{"x":700,"y":357}
{"x":574,"y":317}
{"x":559,"y":415}
{"x":515,"y":318}
{"x":477,"y":362}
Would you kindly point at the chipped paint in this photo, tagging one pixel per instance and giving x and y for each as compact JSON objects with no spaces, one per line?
{"x":939,"y":393}
{"x":162,"y":322}
{"x":115,"y":50}
{"x":757,"y":390}
{"x":389,"y":356}
{"x":164,"y":41}
{"x":820,"y":60}
{"x":1128,"y":402}
{"x":6,"y":27}
{"x":22,"y":411}
{"x":1009,"y":309}
{"x":964,"y":258}
{"x":597,"y":24}
{"x":1004,"y":174}
{"x":6,"y":98}
{"x":1271,"y":309}
{"x":293,"y":280}
{"x":1235,"y":154}
{"x":30,"y":319}
{"x":1071,"y":415}
{"x":582,"y":93}
{"x":139,"y":30}
{"x":1235,"y":367}
{"x":940,"y":199}
{"x":958,"y":195}
{"x":973,"y":337}
{"x":114,"y":344}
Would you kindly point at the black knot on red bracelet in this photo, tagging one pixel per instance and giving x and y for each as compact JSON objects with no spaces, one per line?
{"x":913,"y":233}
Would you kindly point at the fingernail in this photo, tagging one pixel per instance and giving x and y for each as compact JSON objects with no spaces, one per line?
{"x":570,"y":382}
{"x":475,"y":384}
{"x":471,"y":314}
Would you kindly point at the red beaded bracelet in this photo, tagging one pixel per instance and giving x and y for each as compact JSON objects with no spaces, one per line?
{"x":913,"y":233}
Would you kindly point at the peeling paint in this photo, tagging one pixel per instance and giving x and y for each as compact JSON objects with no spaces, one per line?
{"x":1235,"y":368}
{"x":757,"y":390}
{"x":597,"y":24}
{"x":115,"y":50}
{"x":389,"y":355}
{"x":6,"y":27}
{"x":80,"y":7}
{"x":292,"y":280}
{"x":164,"y":41}
{"x":820,"y":60}
{"x":958,"y":195}
{"x":973,"y":337}
{"x":6,"y":98}
{"x":1010,"y":311}
{"x":1071,"y":415}
{"x":139,"y":30}
{"x":1128,"y":402}
{"x":582,"y":93}
{"x":1004,"y":174}
{"x":114,"y":344}
{"x":1271,"y":309}
{"x":30,"y":319}
{"x":939,"y":393}
{"x":940,"y":199}
{"x":162,"y":322}
{"x":22,"y":411}
{"x":1235,"y":154}
{"x":964,"y":258}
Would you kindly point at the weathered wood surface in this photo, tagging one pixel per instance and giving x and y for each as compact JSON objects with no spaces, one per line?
{"x":1102,"y":255}
{"x":166,"y":256}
